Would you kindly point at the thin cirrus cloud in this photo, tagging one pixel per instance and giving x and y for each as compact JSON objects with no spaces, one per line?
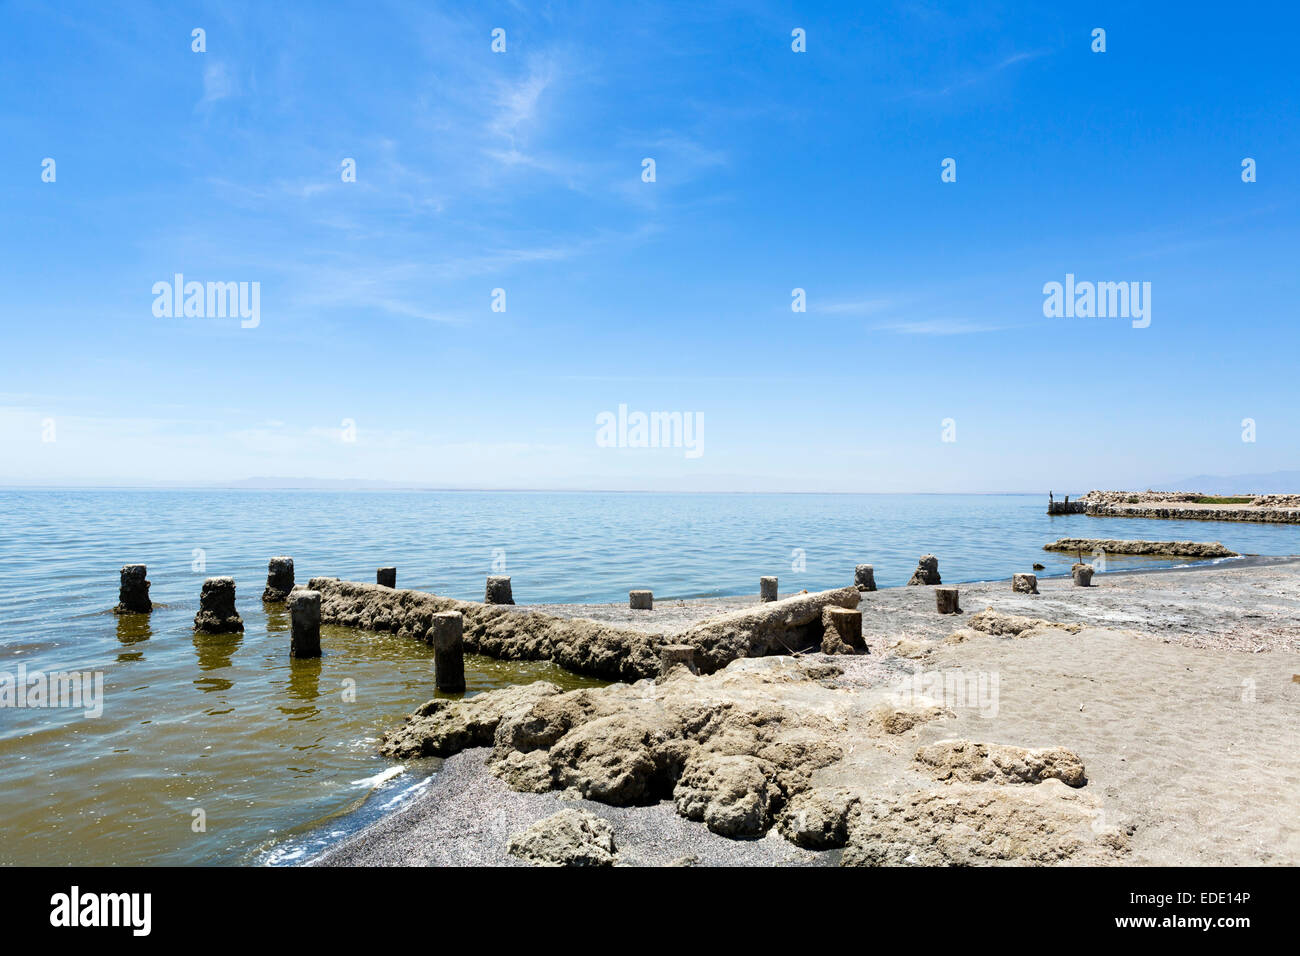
{"x":939,"y":327}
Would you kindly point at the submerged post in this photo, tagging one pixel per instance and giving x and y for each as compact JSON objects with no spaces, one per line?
{"x":304,"y":622}
{"x":217,"y":614}
{"x":1024,"y":583}
{"x":864,"y":577}
{"x":133,"y":591}
{"x":946,"y":600}
{"x":447,"y":635}
{"x":498,"y":590}
{"x":641,"y":600}
{"x":766,"y":589}
{"x":386,"y":577}
{"x":279,"y":579}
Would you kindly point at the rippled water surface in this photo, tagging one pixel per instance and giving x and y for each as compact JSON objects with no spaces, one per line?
{"x":218,"y":749}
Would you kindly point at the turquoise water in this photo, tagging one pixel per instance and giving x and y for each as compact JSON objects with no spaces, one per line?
{"x":268,"y":748}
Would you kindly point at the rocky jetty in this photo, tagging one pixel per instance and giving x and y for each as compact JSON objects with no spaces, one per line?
{"x":580,"y":645}
{"x":1191,"y":505}
{"x":1181,"y":549}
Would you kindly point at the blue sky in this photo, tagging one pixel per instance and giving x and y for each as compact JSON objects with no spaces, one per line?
{"x":522,"y":171}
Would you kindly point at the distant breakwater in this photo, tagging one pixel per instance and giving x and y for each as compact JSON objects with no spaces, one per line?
{"x":1270,"y":515}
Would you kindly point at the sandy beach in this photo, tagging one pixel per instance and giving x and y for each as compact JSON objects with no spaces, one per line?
{"x":1174,"y":689}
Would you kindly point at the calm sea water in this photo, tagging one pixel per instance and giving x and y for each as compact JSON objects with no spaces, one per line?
{"x":222,"y":749}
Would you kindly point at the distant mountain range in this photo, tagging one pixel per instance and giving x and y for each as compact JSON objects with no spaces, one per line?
{"x":1281,"y":482}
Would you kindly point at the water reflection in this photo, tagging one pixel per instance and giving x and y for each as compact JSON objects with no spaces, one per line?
{"x":277,"y":618}
{"x":304,"y":685}
{"x":215,"y":652}
{"x":133,"y":629}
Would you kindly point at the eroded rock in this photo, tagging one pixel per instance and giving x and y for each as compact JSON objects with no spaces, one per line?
{"x":732,"y":795}
{"x":1015,"y":625}
{"x":966,"y":824}
{"x":970,"y":762}
{"x":572,"y":837}
{"x":444,"y":727}
{"x":818,"y":819}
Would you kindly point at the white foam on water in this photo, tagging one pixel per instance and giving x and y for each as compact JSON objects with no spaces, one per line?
{"x":379,"y":778}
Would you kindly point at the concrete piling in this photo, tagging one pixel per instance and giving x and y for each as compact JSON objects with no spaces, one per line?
{"x":1082,"y":574}
{"x":766,"y":589}
{"x":864,"y":577}
{"x":641,"y":600}
{"x":945,"y":600}
{"x":842,"y":631}
{"x":304,"y":620}
{"x":677,"y":655}
{"x":447,"y":636}
{"x":1024,"y":583}
{"x":386,"y":577}
{"x":498,"y":590}
{"x":927,"y":571}
{"x":133,"y":591}
{"x":279,"y":579}
{"x":217,"y":614}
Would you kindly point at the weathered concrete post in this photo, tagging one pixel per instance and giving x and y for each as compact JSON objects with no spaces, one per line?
{"x":279,"y":579}
{"x":447,"y":635}
{"x":1024,"y":583}
{"x":386,"y":577}
{"x":946,"y":600}
{"x":842,"y":631}
{"x":217,"y":614}
{"x":1082,"y":574}
{"x":864,"y":577}
{"x":498,"y":590}
{"x":133,"y":591}
{"x":677,"y":655}
{"x":927,"y":571}
{"x":766,"y":589}
{"x":641,"y":600}
{"x":304,"y":621}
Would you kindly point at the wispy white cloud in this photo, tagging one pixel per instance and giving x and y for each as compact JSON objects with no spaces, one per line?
{"x":977,"y":76}
{"x":938,"y":327}
{"x":856,"y":307}
{"x":218,"y":82}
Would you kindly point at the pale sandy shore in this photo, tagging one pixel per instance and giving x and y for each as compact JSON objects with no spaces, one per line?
{"x":1179,"y":691}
